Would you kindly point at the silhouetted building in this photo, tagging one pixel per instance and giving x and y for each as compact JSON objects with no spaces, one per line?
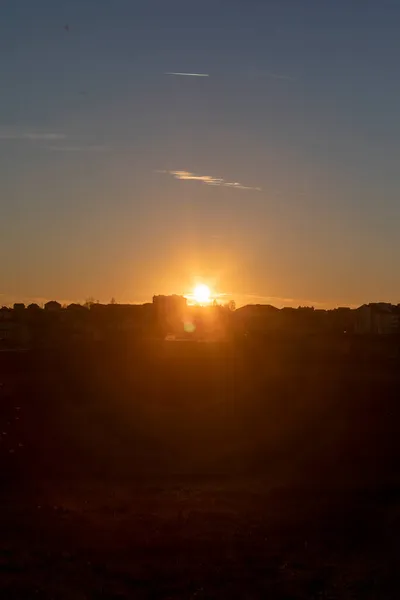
{"x":34,"y":307}
{"x":207,"y":323}
{"x":257,"y":318}
{"x":6,"y":314}
{"x":52,"y":306}
{"x":77,"y":308}
{"x":19,"y":307}
{"x":14,"y":335}
{"x":377,"y":319}
{"x":170,"y":312}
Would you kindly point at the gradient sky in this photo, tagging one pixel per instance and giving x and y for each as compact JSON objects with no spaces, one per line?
{"x":302,"y":101}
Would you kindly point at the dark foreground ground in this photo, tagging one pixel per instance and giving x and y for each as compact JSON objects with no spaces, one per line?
{"x":198,"y":471}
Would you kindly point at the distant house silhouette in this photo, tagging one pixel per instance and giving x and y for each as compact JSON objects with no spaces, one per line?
{"x":52,"y":306}
{"x":172,"y":317}
{"x":169,"y":312}
{"x":259,"y":318}
{"x":19,"y":306}
{"x":13,"y":331}
{"x":6,"y":314}
{"x":377,"y":319}
{"x":34,"y":306}
{"x":78,"y":308}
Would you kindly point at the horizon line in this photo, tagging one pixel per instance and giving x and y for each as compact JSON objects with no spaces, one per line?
{"x":316,"y":306}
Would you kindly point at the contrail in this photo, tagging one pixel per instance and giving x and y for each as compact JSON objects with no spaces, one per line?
{"x":189,"y":74}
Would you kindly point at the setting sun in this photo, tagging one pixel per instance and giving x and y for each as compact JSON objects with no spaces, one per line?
{"x":202,"y":294}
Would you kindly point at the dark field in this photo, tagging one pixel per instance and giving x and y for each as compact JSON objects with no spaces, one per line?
{"x":199,"y":471}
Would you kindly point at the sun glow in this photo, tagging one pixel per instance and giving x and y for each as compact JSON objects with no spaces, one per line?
{"x":202,"y":294}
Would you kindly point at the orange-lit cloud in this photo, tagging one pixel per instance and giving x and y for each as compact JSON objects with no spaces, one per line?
{"x":209,"y":180}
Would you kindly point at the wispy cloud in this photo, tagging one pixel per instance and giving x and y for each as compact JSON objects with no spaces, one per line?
{"x":92,"y":148}
{"x":31,"y":135}
{"x":209,"y":180}
{"x":188,"y":74}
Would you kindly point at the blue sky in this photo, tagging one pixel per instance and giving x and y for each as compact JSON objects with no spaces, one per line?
{"x":117,"y":179}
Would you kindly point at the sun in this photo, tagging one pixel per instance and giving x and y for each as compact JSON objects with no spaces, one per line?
{"x":202,"y":294}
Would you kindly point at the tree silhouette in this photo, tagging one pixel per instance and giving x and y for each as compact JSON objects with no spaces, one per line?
{"x":89,"y":302}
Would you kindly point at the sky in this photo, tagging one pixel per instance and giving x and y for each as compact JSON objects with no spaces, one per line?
{"x":272,"y":178}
